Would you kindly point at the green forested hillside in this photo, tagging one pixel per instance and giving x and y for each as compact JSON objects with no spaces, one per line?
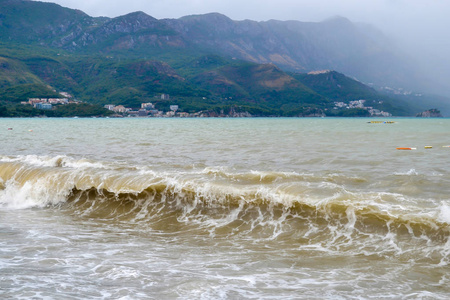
{"x":336,"y":43}
{"x":337,"y":86}
{"x":207,"y":82}
{"x":46,"y":49}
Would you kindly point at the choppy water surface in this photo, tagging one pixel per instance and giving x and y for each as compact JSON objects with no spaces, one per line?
{"x":224,"y":209}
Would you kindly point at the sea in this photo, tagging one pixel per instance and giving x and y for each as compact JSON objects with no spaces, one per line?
{"x":229,"y":208}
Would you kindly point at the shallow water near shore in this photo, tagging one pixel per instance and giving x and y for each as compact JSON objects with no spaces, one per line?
{"x":224,"y":209}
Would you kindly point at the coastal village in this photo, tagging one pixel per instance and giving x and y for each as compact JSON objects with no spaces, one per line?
{"x":360,"y":104}
{"x":47,"y":103}
{"x":148,"y":109}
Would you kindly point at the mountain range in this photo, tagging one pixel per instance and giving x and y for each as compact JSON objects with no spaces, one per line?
{"x":204,"y":61}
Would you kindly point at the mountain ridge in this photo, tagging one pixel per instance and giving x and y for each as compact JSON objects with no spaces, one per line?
{"x":204,"y":61}
{"x":335,"y":43}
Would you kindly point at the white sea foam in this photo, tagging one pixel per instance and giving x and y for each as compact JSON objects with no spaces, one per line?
{"x":30,"y":194}
{"x":54,"y":161}
{"x":84,"y":164}
{"x":39,"y":181}
{"x":122,"y":273}
{"x":444,"y":213}
{"x":411,"y":172}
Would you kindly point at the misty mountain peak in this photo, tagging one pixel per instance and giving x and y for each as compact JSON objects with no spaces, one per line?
{"x":138,"y":15}
{"x":339,"y":23}
{"x":129,"y":23}
{"x":338,"y":20}
{"x":216,"y":18}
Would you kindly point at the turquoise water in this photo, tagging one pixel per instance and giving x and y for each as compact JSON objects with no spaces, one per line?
{"x":224,"y":208}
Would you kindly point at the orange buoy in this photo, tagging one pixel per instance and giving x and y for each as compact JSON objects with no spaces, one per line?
{"x":406,"y":148}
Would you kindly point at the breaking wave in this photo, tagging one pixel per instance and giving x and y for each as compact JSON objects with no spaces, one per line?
{"x":330,"y":211}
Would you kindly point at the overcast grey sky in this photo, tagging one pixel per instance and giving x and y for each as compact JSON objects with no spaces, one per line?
{"x":420,"y":26}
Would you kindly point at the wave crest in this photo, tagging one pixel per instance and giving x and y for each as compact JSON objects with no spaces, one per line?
{"x":212,"y":196}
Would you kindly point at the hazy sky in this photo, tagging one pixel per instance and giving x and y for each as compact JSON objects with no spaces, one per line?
{"x":420,"y":26}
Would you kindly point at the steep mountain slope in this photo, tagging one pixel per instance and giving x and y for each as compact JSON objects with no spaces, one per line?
{"x":203,"y":61}
{"x":340,"y":88}
{"x":336,"y":86}
{"x":261,"y":85}
{"x":14,"y":72}
{"x":41,"y":23}
{"x":99,"y":80}
{"x":336,"y":44}
{"x":18,"y":82}
{"x":138,"y":32}
{"x":206,"y":83}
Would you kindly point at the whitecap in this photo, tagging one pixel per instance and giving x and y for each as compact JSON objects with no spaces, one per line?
{"x":411,"y":172}
{"x":444,"y":213}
